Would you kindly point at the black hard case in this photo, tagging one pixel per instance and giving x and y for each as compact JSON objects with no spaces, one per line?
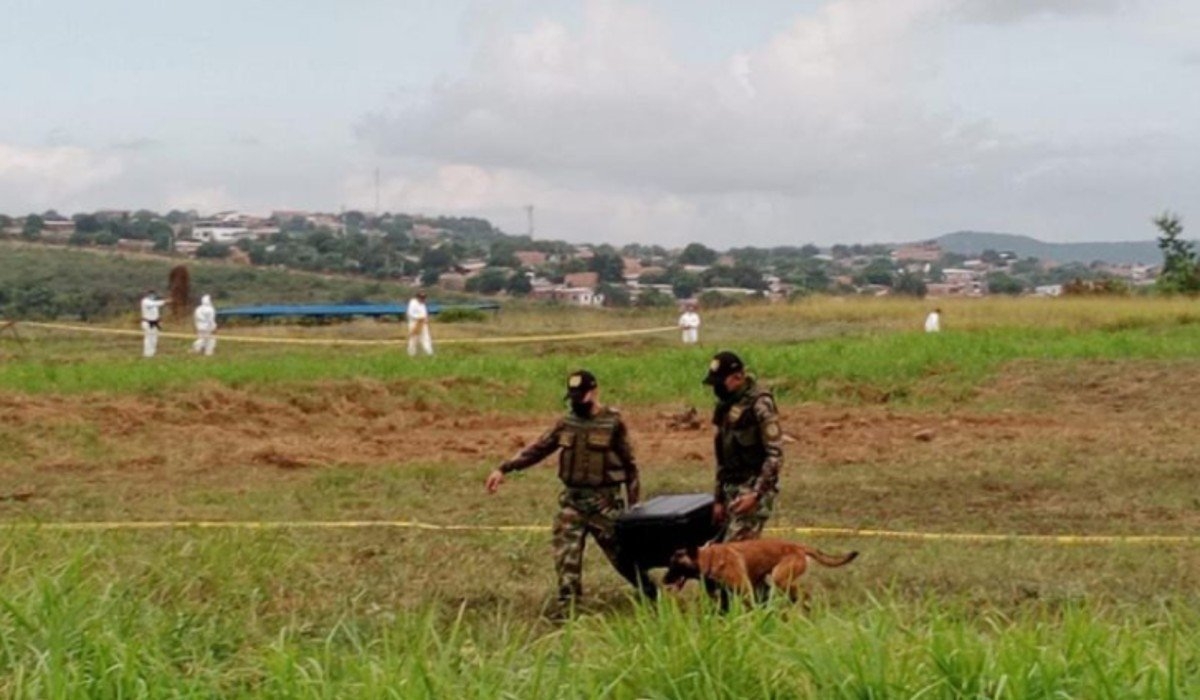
{"x":650,"y":532}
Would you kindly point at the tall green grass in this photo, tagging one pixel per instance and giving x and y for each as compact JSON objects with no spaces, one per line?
{"x":898,"y":366}
{"x":65,"y":632}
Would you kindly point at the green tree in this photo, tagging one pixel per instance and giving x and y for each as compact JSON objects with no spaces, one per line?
{"x":608,"y":264}
{"x":296,"y":224}
{"x":212,"y":249}
{"x":697,"y":254}
{"x":1026,"y":266}
{"x":490,"y":281}
{"x":878,"y":271}
{"x":32,"y":228}
{"x":684,"y":285}
{"x":438,"y":259}
{"x":991,"y":257}
{"x":88,"y":223}
{"x":909,"y":284}
{"x":614,"y":295}
{"x":811,"y":276}
{"x":951,"y":260}
{"x":35,"y":301}
{"x":397,"y":236}
{"x":503,"y":254}
{"x":1001,"y":283}
{"x":430,"y":277}
{"x":163,"y":236}
{"x":717,"y":300}
{"x":518,"y":284}
{"x":323,"y":240}
{"x":1180,"y":274}
{"x":654,"y":299}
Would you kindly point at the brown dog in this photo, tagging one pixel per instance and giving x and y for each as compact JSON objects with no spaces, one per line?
{"x":748,"y":566}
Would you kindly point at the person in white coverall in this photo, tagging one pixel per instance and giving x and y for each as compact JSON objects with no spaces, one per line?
{"x":933,"y":322}
{"x":689,"y":323}
{"x":151,"y":317}
{"x":206,"y":327}
{"x":418,"y":326}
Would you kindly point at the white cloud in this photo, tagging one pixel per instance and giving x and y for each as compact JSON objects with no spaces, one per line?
{"x":828,"y":130}
{"x":611,"y":118}
{"x":51,"y":176}
{"x":501,"y":195}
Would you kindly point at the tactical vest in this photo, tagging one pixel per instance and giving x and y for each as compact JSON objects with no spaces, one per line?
{"x":587,"y":458}
{"x":742,"y":451}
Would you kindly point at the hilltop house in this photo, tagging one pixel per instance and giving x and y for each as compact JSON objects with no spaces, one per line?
{"x":530,"y":258}
{"x":919,"y":253}
{"x":577,"y":289}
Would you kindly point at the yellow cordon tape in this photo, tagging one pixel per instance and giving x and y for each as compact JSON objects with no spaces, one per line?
{"x":103,"y":526}
{"x":350,"y":341}
{"x":989,"y":537}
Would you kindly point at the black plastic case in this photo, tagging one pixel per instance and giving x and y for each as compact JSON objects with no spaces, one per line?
{"x":650,"y":532}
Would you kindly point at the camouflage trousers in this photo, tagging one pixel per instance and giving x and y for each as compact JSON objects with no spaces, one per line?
{"x":583,"y":512}
{"x":748,"y":526}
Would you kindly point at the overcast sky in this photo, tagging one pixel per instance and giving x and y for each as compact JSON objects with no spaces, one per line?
{"x":732,"y":123}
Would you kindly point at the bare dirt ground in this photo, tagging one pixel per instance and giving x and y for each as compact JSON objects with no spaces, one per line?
{"x":1101,"y":447}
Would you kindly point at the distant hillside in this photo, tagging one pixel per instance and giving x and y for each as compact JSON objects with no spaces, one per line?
{"x":974,"y":243}
{"x":39,"y":281}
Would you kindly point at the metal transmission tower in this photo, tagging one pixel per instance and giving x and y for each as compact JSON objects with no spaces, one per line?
{"x":529,"y":214}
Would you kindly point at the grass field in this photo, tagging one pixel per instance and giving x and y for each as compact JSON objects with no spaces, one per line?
{"x":1025,"y":417}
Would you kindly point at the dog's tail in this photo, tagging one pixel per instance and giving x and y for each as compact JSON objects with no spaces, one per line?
{"x":829,"y":560}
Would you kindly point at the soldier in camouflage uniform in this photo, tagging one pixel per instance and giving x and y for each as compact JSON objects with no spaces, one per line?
{"x":748,"y":446}
{"x":595,"y":460}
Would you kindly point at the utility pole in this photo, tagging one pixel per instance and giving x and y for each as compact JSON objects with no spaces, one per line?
{"x":529,"y":213}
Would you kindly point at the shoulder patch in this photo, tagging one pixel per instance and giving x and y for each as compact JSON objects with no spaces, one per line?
{"x":772,"y":431}
{"x":766,"y":398}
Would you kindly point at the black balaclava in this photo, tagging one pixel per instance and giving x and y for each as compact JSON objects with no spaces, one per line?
{"x":723,"y":395}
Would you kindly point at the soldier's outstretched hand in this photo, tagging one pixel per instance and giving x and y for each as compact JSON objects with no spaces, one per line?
{"x":494,"y":480}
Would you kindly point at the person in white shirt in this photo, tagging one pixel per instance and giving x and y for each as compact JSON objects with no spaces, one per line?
{"x":206,"y":327}
{"x":418,"y":326}
{"x":689,"y":323}
{"x":933,"y":322}
{"x":151,"y":317}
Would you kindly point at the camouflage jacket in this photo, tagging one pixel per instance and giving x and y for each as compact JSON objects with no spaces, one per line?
{"x":593,"y":452}
{"x":749,"y":440}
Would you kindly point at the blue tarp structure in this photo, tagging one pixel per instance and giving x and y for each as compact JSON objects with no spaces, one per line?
{"x":342,"y":310}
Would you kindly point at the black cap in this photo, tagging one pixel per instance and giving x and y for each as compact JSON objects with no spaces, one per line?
{"x":723,"y":364}
{"x":580,"y":383}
